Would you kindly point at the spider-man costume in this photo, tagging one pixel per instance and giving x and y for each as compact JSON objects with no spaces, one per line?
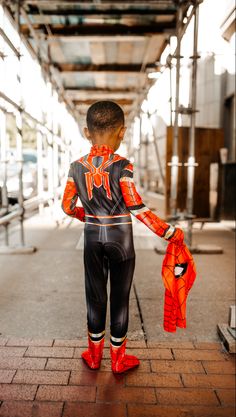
{"x":178,"y":273}
{"x":104,"y":183}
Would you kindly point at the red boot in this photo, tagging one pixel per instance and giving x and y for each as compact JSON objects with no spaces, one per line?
{"x":120,"y":362}
{"x":93,"y":355}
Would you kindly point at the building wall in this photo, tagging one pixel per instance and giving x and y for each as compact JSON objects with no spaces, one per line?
{"x":209,"y":92}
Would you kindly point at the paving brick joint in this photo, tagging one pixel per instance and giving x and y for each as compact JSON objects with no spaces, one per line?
{"x":47,"y":378}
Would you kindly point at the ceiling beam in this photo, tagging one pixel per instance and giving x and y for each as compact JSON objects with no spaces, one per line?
{"x":88,"y":102}
{"x":99,"y":94}
{"x":9,"y":43}
{"x":104,"y":38}
{"x":70,"y":67}
{"x":104,"y":4}
{"x":107,"y":90}
{"x":102,"y":29}
{"x":152,"y":11}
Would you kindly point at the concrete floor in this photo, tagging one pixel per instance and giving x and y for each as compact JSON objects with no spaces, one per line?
{"x":42,"y":294}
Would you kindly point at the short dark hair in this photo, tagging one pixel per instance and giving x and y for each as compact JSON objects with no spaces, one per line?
{"x":104,"y":115}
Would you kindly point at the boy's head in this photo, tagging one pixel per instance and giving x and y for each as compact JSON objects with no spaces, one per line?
{"x":105,"y":123}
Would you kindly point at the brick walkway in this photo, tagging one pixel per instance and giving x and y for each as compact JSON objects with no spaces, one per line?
{"x":47,"y":378}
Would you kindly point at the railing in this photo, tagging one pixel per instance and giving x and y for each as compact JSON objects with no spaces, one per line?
{"x":18,"y":212}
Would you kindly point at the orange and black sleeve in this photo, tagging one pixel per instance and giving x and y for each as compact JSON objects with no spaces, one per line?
{"x":70,"y":198}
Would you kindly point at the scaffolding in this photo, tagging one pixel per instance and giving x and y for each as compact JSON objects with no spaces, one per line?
{"x":191,"y":112}
{"x":187,"y":12}
{"x":49,"y":142}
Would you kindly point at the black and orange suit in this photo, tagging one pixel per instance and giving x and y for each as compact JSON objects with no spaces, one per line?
{"x":104,"y":183}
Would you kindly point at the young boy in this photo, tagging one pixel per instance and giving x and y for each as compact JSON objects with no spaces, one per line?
{"x":103,"y":181}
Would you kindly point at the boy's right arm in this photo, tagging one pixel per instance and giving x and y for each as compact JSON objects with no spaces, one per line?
{"x":70,"y":198}
{"x":136,"y":206}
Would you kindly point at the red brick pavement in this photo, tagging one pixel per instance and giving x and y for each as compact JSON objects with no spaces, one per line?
{"x":47,"y":378}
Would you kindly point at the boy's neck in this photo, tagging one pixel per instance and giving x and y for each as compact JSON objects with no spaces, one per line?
{"x":111,"y":138}
{"x":101,"y":150}
{"x":104,"y":142}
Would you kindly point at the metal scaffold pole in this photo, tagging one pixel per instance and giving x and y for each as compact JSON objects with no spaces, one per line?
{"x":191,"y":164}
{"x":50,"y":168}
{"x":171,"y":104}
{"x":19,"y":138}
{"x":139,"y":150}
{"x":146,"y":182}
{"x":157,"y":152}
{"x":40,"y":185}
{"x":19,"y":161}
{"x":4,"y":162}
{"x":3,"y":141}
{"x":175,"y":158}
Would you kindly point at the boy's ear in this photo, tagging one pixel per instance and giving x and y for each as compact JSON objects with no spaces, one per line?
{"x":122,"y":132}
{"x":87,"y":133}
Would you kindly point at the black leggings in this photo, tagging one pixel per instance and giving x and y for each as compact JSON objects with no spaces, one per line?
{"x":108,"y":250}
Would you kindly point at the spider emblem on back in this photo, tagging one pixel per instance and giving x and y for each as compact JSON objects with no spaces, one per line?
{"x":96,"y":175}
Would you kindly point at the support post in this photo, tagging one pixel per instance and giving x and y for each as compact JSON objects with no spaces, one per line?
{"x":4,"y":162}
{"x":40,"y":188}
{"x":19,"y":139}
{"x":171,"y":105}
{"x":169,"y":66}
{"x":67,"y":156}
{"x":3,"y":137}
{"x":139,"y":151}
{"x":156,"y":147}
{"x":19,"y":161}
{"x":50,"y":169}
{"x":175,"y":158}
{"x":146,"y":186}
{"x":191,"y":164}
{"x":55,"y":168}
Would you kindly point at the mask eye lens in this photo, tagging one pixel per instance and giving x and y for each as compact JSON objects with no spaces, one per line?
{"x":180,"y":270}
